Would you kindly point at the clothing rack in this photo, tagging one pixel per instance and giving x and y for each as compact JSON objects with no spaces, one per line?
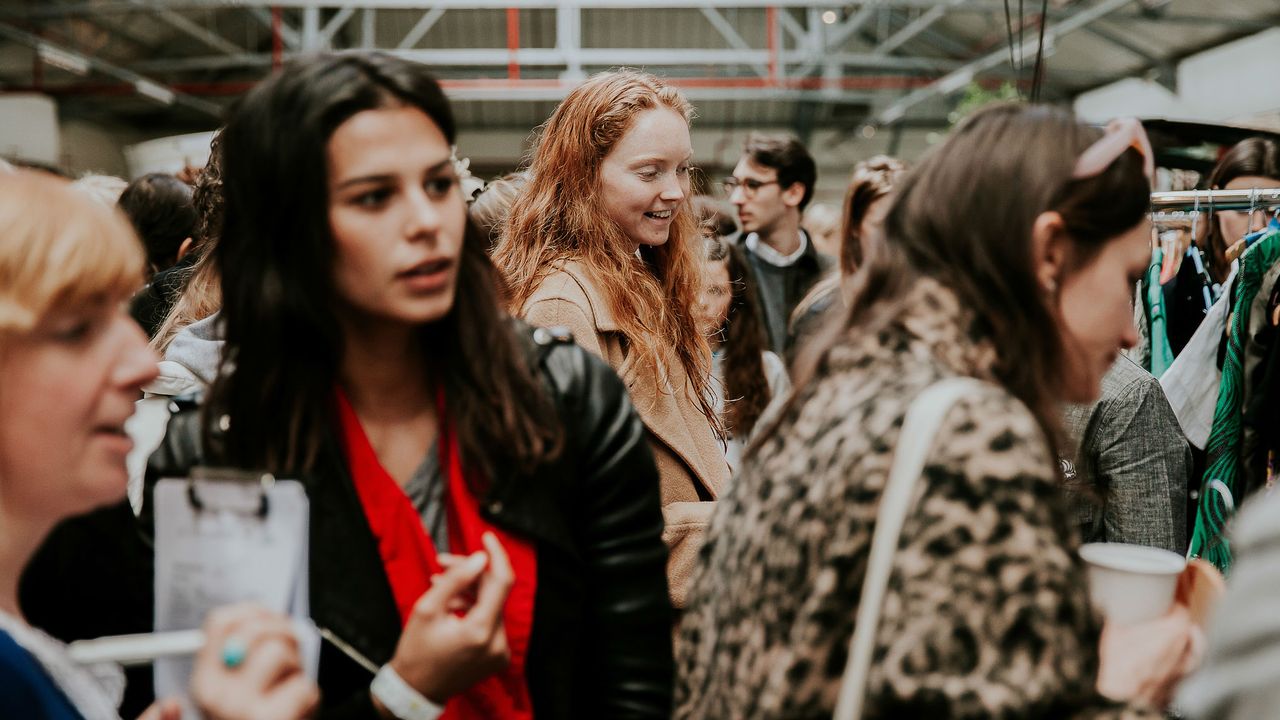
{"x":1256,"y":199}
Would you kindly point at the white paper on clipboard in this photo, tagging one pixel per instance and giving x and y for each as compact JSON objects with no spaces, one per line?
{"x":218,"y":543}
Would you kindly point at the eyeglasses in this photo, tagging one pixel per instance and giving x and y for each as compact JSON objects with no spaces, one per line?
{"x":749,"y":186}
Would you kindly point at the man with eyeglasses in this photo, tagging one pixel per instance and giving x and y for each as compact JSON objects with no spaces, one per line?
{"x":770,"y":187}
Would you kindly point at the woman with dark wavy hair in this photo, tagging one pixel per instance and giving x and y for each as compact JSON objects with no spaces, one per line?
{"x":485,"y":523}
{"x":1010,"y":258}
{"x":745,"y":375}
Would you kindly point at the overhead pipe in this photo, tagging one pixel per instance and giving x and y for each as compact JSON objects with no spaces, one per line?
{"x":277,"y":37}
{"x":231,"y":88}
{"x":771,"y":35}
{"x":513,"y":42}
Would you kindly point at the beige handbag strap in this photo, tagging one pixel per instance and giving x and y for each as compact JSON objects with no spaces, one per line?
{"x":919,"y":430}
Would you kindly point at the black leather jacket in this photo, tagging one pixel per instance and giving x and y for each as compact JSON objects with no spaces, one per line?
{"x":601,"y":642}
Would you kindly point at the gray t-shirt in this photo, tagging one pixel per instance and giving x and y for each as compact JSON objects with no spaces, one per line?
{"x":426,"y":490}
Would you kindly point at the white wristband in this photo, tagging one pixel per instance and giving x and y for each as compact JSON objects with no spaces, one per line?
{"x":400,"y":699}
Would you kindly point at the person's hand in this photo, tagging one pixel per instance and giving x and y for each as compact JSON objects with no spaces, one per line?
{"x":454,"y":636}
{"x":1143,"y":663}
{"x":267,"y":684}
{"x":163,"y":710}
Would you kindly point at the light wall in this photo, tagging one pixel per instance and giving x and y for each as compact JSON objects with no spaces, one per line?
{"x":29,"y":128}
{"x":1232,"y":83}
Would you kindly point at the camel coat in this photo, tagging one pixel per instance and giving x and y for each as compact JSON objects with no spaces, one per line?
{"x":691,"y":462}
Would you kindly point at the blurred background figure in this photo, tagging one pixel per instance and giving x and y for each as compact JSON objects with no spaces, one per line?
{"x":189,"y":290}
{"x":822,"y":222}
{"x":861,"y":232}
{"x":106,"y":189}
{"x":489,"y":209}
{"x":715,"y":216}
{"x":71,"y":365}
{"x":1127,"y":463}
{"x":770,"y":186}
{"x":745,"y":375}
{"x":162,"y":211}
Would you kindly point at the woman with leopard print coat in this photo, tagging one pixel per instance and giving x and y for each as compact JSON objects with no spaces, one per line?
{"x":1011,"y":257}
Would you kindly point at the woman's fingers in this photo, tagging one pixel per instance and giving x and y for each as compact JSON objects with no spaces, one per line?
{"x":168,"y":709}
{"x":450,"y":584}
{"x":295,"y":698}
{"x":448,"y":560}
{"x":270,"y":662}
{"x":494,"y":585}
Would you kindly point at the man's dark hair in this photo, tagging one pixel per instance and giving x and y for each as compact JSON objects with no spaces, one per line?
{"x":788,"y":156}
{"x":163,"y":214}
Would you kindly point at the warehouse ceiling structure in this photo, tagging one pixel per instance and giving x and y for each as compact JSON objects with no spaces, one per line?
{"x":176,"y":64}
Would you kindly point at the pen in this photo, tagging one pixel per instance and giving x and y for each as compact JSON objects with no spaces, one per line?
{"x":136,"y":649}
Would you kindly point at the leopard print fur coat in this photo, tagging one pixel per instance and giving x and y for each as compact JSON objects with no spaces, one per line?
{"x":987,"y":614}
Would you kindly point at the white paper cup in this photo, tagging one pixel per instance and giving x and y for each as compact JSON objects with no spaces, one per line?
{"x":1131,"y":584}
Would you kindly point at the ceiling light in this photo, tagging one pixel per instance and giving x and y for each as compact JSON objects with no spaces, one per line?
{"x":829,"y":17}
{"x":159,"y":93}
{"x":59,"y":58}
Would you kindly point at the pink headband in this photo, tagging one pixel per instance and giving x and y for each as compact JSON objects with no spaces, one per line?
{"x":1120,"y":135}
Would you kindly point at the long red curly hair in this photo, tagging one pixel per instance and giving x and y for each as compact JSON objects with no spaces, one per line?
{"x":560,"y":216}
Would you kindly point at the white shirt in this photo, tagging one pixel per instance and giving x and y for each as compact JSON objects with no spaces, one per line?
{"x":94,"y":690}
{"x":1191,"y":382}
{"x":773,"y":257}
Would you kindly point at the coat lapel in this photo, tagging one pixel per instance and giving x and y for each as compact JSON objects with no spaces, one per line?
{"x":350,"y":593}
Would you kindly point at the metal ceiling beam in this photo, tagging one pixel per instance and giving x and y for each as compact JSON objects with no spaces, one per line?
{"x":731,"y":36}
{"x":865,"y":9}
{"x":143,"y":85}
{"x":335,"y":24}
{"x":915,"y":27}
{"x":292,"y":39}
{"x":116,"y":6}
{"x":1165,"y":72}
{"x":181,"y":22}
{"x":569,"y":40}
{"x":598,"y":57}
{"x":368,"y":28}
{"x":961,"y":77}
{"x":420,"y":28}
{"x":793,"y":27}
{"x":555,"y":93}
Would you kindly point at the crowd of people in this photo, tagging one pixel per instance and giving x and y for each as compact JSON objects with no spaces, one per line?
{"x":588,"y":444}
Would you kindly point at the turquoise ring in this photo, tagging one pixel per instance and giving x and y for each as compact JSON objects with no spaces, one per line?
{"x":233,"y":652}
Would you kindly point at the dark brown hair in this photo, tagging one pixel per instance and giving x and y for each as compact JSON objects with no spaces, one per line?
{"x":276,"y":256}
{"x":1257,"y":157}
{"x":872,"y":179}
{"x":161,"y":210}
{"x":746,"y":387}
{"x":964,"y":217}
{"x":788,"y":156}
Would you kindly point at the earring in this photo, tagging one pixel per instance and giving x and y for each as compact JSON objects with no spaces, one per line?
{"x":1051,"y":286}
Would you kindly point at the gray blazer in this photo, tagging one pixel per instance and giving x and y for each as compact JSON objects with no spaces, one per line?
{"x":1129,"y":449}
{"x":1238,"y":678}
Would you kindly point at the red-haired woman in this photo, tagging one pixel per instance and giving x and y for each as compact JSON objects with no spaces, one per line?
{"x":604,"y":242}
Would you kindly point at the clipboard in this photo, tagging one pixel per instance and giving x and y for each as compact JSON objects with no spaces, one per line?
{"x":222,"y":537}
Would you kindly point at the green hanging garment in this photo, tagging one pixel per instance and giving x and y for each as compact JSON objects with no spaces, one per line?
{"x":1218,"y":487}
{"x":1157,"y":321}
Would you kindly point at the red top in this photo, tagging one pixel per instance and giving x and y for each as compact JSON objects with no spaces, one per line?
{"x":409,"y":558}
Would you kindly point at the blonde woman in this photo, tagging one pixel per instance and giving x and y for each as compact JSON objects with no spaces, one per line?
{"x":603,"y":242}
{"x":71,"y":364}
